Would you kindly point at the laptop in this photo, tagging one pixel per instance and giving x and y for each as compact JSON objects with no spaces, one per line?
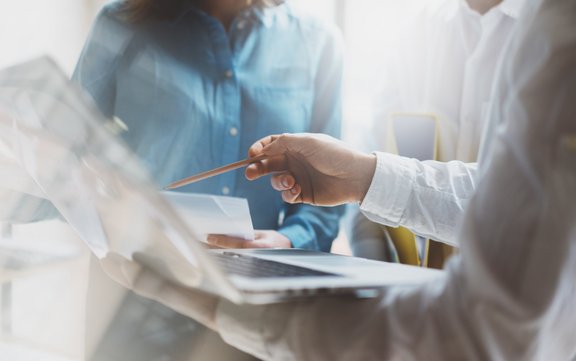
{"x":102,"y":190}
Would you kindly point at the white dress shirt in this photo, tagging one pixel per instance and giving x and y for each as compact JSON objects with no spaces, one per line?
{"x":445,"y":64}
{"x":509,"y":294}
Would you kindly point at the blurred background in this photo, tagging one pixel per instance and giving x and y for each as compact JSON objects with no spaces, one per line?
{"x":59,"y":28}
{"x":48,"y":311}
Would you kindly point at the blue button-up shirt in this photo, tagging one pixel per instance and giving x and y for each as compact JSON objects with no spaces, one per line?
{"x":195,"y":96}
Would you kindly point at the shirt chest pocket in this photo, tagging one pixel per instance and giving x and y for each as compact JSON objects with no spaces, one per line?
{"x":279,"y":111}
{"x":165,"y":110}
{"x":282,"y":102}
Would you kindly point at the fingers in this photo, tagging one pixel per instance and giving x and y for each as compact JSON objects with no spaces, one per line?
{"x":277,"y":147}
{"x":254,"y":171}
{"x":258,"y":148}
{"x":283,"y":181}
{"x":274,"y":145}
{"x":262,"y":239}
{"x":266,"y":166}
{"x":274,"y":163}
{"x":223,"y":241}
{"x":286,"y":183}
{"x":293,"y":195}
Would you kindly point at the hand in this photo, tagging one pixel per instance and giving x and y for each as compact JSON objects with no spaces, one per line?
{"x":147,"y":283}
{"x":190,"y":302}
{"x":313,"y":168}
{"x":262,"y":239}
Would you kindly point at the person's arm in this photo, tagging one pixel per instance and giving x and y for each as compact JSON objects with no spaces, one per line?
{"x":96,"y":68}
{"x":427,"y":197}
{"x":509,"y":295}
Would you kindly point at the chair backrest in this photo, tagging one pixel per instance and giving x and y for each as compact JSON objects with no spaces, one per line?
{"x":414,"y":135}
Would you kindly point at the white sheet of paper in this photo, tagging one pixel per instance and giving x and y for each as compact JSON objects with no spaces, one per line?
{"x":209,"y":214}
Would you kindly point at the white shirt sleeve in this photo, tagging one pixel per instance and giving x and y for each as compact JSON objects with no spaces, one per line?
{"x":427,"y":197}
{"x":510,"y":293}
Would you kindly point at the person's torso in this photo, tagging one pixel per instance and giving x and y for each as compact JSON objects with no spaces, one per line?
{"x":195,"y":96}
{"x":446,"y":67}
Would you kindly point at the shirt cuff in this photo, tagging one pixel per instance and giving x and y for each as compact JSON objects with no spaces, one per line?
{"x":390,"y":190}
{"x":298,"y":236}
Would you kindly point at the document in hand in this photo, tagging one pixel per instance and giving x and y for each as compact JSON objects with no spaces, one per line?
{"x":209,"y":214}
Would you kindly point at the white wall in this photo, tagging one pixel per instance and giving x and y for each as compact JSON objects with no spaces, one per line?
{"x":30,"y":28}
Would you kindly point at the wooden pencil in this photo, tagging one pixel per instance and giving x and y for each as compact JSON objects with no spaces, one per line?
{"x":215,"y":172}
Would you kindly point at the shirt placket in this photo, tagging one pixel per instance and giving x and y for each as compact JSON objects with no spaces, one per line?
{"x":474,"y":96}
{"x":469,"y":93}
{"x":228,"y":105}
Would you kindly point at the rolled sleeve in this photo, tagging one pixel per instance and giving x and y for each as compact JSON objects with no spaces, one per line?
{"x":429,"y":197}
{"x":389,"y":191}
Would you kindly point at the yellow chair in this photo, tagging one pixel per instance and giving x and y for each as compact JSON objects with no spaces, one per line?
{"x":406,"y":246}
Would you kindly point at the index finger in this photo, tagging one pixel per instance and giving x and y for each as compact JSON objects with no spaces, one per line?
{"x":257,"y":148}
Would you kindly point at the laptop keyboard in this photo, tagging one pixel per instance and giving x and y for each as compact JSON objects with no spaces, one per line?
{"x":247,"y":266}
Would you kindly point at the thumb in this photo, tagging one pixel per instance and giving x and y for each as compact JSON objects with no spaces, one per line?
{"x":274,"y":147}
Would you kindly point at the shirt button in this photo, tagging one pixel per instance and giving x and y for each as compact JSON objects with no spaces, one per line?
{"x":225,"y":190}
{"x":233,"y":131}
{"x":241,"y":24}
{"x":228,"y":73}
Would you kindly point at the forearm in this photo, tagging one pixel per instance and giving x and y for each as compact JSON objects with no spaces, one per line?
{"x":96,"y":68}
{"x":427,"y":197}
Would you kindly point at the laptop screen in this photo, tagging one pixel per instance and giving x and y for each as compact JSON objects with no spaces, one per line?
{"x":66,"y":151}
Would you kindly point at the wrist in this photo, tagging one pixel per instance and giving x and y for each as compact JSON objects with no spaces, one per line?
{"x":366,"y":166}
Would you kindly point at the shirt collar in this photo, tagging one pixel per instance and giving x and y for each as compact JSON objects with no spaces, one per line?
{"x":267,"y":14}
{"x":184,"y":9}
{"x":511,"y":8}
{"x":264,"y":14}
